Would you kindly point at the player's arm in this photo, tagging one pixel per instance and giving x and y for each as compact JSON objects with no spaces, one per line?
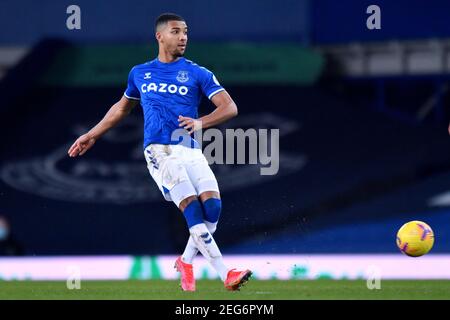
{"x":225,"y":110}
{"x":114,"y":115}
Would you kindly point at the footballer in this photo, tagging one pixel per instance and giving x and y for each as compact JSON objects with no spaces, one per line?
{"x":169,"y":89}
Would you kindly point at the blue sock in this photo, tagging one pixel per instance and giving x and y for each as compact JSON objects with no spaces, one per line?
{"x":212,"y":208}
{"x":193,"y":213}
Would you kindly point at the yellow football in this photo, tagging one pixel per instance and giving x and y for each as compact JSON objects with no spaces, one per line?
{"x":415,"y":238}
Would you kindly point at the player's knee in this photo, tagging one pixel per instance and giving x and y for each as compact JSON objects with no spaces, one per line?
{"x":205,"y":195}
{"x":212,"y":208}
{"x":193,"y":212}
{"x":185,"y":202}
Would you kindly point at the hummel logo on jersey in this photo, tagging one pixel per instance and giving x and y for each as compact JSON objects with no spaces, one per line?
{"x":148,"y":75}
{"x":164,"y":87}
{"x":182,"y":76}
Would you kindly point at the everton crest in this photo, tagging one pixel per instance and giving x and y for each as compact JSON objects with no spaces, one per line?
{"x":182,"y":76}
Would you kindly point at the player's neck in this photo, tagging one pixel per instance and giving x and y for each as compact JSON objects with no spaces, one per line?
{"x":165,"y":57}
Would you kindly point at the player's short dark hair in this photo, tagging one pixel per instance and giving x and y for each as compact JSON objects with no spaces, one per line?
{"x":166,"y":17}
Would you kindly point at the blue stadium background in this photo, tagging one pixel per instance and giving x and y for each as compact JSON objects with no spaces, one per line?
{"x":356,"y":161}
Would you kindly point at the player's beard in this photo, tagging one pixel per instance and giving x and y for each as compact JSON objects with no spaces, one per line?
{"x":179,"y":53}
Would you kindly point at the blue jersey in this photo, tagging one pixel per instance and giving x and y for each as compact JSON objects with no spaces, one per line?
{"x":166,"y":91}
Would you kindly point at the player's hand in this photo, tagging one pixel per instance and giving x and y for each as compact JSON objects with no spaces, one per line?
{"x":190,"y":124}
{"x":81,"y":145}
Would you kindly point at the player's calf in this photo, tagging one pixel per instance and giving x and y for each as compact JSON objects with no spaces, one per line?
{"x":203,"y":239}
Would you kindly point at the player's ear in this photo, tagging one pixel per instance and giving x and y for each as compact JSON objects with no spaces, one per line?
{"x":158,"y":36}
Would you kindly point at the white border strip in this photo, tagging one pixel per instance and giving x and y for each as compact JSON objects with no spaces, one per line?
{"x":217,"y":91}
{"x":132,"y":98}
{"x":282,"y":267}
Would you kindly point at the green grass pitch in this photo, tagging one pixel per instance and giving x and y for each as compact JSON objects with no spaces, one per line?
{"x":213,"y":289}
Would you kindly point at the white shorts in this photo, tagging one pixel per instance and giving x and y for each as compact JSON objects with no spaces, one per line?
{"x":179,"y":171}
